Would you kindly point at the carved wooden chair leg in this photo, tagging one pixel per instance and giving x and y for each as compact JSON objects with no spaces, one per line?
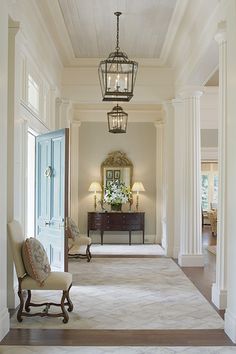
{"x":64,"y":312}
{"x":70,"y":304}
{"x":19,"y":312}
{"x":88,"y":253}
{"x":27,"y":304}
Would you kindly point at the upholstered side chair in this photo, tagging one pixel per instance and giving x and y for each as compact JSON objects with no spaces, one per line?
{"x":77,"y":242}
{"x":54,"y":281}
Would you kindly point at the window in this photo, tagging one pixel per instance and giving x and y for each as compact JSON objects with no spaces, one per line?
{"x":33,"y":94}
{"x":209,"y":183}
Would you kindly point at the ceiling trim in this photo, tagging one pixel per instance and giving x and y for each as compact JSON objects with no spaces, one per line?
{"x":172,"y":29}
{"x":55,"y":23}
{"x":51,"y":11}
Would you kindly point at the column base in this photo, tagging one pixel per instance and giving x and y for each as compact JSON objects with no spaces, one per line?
{"x":219,"y":297}
{"x":230,"y":325}
{"x":191,"y":260}
{"x":13,"y":298}
{"x":4,"y":323}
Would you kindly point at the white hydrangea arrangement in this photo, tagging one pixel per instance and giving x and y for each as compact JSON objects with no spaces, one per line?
{"x":117,"y":193}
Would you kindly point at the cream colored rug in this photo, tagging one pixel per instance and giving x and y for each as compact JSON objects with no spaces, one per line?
{"x":116,"y":350}
{"x":212,"y":249}
{"x":129,"y":293}
{"x":126,"y":250}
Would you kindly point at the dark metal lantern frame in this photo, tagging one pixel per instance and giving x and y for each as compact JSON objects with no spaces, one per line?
{"x":117,"y":74}
{"x":117,"y":120}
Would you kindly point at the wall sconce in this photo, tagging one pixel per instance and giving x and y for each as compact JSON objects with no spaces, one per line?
{"x":138,"y":187}
{"x":95,"y":187}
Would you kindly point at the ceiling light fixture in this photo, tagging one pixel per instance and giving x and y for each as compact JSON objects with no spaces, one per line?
{"x":117,"y":74}
{"x":117,"y":120}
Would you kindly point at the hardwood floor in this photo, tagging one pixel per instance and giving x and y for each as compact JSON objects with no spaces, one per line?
{"x":201,"y":277}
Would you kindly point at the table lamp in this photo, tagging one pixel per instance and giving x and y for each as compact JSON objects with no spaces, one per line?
{"x":137,"y":187}
{"x":95,"y":187}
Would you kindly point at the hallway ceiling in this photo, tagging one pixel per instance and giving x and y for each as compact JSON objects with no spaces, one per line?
{"x":84,"y":31}
{"x":91,"y":26}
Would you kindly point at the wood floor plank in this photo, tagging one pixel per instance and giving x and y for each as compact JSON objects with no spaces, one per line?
{"x":52,"y":337}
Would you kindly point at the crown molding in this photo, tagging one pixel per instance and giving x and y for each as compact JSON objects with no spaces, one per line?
{"x":173,"y":28}
{"x":51,"y":11}
{"x":202,"y":45}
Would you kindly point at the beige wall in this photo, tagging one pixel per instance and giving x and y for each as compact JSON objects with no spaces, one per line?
{"x":139,"y":143}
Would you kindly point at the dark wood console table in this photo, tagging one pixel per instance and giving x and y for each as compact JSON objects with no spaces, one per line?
{"x":116,"y":221}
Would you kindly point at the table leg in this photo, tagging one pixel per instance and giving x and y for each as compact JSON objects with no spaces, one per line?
{"x":143,"y":236}
{"x":130,"y":238}
{"x":101,"y":237}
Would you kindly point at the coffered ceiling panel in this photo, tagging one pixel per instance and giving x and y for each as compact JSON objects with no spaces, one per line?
{"x":91,"y":26}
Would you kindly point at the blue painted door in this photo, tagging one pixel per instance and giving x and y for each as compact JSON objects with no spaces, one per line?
{"x":52,"y":155}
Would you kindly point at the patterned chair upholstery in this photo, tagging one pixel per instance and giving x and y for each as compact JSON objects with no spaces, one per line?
{"x":212,"y":216}
{"x":76,"y":243}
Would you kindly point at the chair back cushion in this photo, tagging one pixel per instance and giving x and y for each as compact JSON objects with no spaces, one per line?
{"x":16,"y":238}
{"x":73,"y":229}
{"x":35,"y":260}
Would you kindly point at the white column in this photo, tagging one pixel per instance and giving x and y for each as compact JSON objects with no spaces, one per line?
{"x":4,"y":315}
{"x":190,"y":253}
{"x":179,"y":174}
{"x":159,"y":179}
{"x":12,"y":297}
{"x":230,"y":176}
{"x":74,"y":171}
{"x":168,"y":181}
{"x":219,"y":288}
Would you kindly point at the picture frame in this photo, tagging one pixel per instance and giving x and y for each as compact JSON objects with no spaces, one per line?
{"x":109,"y":174}
{"x":117,"y":174}
{"x":108,"y":182}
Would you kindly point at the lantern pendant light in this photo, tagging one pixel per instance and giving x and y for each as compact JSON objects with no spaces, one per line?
{"x":117,"y":74}
{"x":117,"y":120}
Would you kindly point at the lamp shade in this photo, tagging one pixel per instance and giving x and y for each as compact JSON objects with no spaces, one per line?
{"x":138,"y":187}
{"x":95,"y":187}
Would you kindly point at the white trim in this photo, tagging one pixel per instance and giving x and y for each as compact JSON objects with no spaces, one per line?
{"x":173,"y":28}
{"x":4,"y":323}
{"x":219,"y":297}
{"x":230,"y":325}
{"x":191,"y":260}
{"x":209,"y":154}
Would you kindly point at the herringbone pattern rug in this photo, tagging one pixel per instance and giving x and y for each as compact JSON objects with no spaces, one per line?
{"x":130,"y":293}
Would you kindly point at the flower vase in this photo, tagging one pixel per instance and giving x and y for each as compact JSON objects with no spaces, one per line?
{"x":116,"y":207}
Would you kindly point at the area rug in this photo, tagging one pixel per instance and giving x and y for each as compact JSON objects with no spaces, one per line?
{"x":116,"y":350}
{"x":129,"y":293}
{"x":126,"y":250}
{"x":212,"y":249}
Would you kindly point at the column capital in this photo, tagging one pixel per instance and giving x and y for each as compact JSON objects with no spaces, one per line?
{"x":13,"y":26}
{"x":190,"y":92}
{"x":76,"y":123}
{"x":159,"y":123}
{"x":220,"y":36}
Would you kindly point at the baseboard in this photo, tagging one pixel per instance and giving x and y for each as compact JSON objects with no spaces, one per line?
{"x":175,"y":252}
{"x":136,"y":238}
{"x":230,"y":325}
{"x":191,"y":260}
{"x":4,"y":323}
{"x":219,"y":297}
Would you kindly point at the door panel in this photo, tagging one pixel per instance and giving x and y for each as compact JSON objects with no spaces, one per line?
{"x":51,"y":198}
